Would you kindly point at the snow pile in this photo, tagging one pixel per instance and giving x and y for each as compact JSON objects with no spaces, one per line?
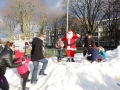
{"x":79,"y":75}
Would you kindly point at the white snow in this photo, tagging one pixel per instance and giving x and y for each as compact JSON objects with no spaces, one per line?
{"x":79,"y":75}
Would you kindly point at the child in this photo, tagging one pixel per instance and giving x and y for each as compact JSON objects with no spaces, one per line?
{"x":87,"y":42}
{"x":27,"y":50}
{"x":102,"y":53}
{"x":93,"y":52}
{"x":59,"y":45}
{"x":22,"y":70}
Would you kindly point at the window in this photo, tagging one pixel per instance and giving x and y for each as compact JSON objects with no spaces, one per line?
{"x":100,"y":28}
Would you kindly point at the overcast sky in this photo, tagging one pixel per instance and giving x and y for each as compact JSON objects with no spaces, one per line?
{"x":51,"y":3}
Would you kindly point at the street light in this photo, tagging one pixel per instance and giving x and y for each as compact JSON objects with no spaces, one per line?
{"x":67,"y":13}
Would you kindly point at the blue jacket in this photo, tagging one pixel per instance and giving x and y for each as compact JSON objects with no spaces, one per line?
{"x":94,"y":53}
{"x":103,"y":54}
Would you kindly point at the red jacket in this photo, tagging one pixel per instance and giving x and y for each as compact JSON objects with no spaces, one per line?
{"x":19,"y":56}
{"x":22,"y":69}
{"x":70,"y":43}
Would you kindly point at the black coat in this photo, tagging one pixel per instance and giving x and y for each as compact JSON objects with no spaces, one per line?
{"x":36,"y":52}
{"x":6,"y":60}
{"x":87,"y":41}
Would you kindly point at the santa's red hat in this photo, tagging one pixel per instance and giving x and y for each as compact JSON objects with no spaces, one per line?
{"x":18,"y":54}
{"x":69,"y":31}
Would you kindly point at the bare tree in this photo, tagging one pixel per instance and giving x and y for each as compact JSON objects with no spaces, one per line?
{"x":113,"y":20}
{"x":87,"y":12}
{"x":62,"y":23}
{"x":41,"y":17}
{"x":22,"y":11}
{"x":54,"y":20}
{"x":8,"y":24}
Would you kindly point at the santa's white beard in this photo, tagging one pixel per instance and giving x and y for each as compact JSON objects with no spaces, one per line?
{"x":69,"y":36}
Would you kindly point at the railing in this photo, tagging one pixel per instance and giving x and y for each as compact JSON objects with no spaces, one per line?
{"x":50,"y":51}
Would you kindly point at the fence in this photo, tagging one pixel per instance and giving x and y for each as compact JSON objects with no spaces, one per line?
{"x":50,"y":51}
{"x":53,"y":51}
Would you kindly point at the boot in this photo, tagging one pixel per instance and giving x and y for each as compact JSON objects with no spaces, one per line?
{"x":59,"y":60}
{"x":92,"y":61}
{"x":73,"y":60}
{"x":42,"y":74}
{"x":68,"y":60}
{"x":28,"y":80}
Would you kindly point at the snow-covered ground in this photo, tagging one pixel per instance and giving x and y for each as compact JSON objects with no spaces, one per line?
{"x":79,"y":75}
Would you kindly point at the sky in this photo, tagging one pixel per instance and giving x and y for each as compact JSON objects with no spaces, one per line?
{"x":2,"y":3}
{"x":79,"y":75}
{"x":51,"y":3}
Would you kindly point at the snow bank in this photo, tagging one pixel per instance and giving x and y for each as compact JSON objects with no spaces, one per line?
{"x":79,"y":75}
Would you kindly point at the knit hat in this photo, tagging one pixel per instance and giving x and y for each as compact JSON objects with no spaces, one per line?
{"x":26,"y":44}
{"x":18,"y":54}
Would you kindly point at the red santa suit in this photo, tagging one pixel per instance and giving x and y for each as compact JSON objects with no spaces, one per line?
{"x":70,"y":43}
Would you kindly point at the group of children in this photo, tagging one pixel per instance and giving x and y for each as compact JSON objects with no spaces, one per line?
{"x":93,"y":53}
{"x":96,"y":53}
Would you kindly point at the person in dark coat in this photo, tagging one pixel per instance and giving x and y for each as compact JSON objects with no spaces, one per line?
{"x":86,"y":43}
{"x":94,"y":53}
{"x":37,"y":56}
{"x":6,"y":61}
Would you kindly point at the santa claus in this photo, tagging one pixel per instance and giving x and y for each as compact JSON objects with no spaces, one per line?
{"x":70,"y":44}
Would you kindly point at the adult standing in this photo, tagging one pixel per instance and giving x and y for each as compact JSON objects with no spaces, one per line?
{"x":87,"y":42}
{"x":6,"y":58}
{"x":37,"y":56}
{"x":70,"y":44}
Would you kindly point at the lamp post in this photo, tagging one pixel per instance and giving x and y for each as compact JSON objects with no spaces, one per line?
{"x":67,"y":13}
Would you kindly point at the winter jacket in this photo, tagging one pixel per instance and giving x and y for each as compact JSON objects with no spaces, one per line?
{"x":37,"y":49}
{"x":70,"y":43}
{"x":6,"y":61}
{"x":87,"y":42}
{"x":103,"y":54}
{"x":59,"y":45}
{"x":27,"y":50}
{"x":94,"y":53}
{"x":22,"y":69}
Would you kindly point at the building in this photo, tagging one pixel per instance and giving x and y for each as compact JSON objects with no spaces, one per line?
{"x":102,"y":33}
{"x":17,"y":37}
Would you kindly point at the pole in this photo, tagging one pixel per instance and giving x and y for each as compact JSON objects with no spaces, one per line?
{"x":67,"y":14}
